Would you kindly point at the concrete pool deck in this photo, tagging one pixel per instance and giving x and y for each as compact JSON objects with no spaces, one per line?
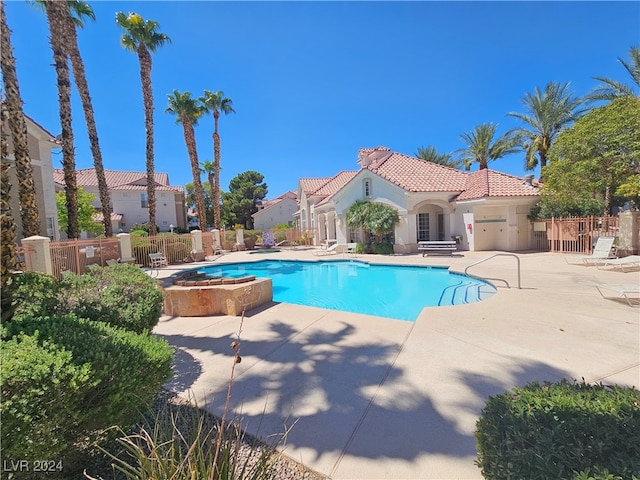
{"x":373,"y":398}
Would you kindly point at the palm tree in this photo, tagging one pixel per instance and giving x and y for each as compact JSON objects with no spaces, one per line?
{"x":17,"y":126}
{"x":56,"y":14}
{"x":209,"y":168}
{"x":373,"y":218}
{"x":216,"y":103}
{"x":482,"y":148}
{"x":8,"y":263}
{"x":611,"y":89}
{"x":547,"y":114}
{"x":431,"y":154}
{"x":143,"y":38}
{"x":82,"y":9}
{"x":188,"y":111}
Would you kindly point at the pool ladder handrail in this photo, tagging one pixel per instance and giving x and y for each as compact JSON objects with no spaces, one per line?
{"x":493,"y":256}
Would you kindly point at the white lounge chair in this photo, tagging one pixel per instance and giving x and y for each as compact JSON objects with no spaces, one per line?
{"x":327,"y":251}
{"x":630,"y":292}
{"x":625,"y":263}
{"x":603,"y":250}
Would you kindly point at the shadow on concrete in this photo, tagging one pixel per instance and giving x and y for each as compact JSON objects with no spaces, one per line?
{"x":187,"y":370}
{"x":327,"y":383}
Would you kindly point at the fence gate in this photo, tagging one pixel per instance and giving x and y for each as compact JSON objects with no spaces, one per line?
{"x":76,"y":255}
{"x":573,"y":234}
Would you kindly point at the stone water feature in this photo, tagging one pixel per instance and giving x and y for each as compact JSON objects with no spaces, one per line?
{"x":194,"y":294}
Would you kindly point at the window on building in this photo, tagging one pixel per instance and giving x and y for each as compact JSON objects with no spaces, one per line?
{"x":366,"y":188}
{"x":50,"y":227}
{"x":144,"y":201}
{"x":422,"y":227}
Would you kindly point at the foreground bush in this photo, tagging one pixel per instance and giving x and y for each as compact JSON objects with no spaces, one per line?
{"x":121,"y":295}
{"x":560,"y":431}
{"x":64,"y":378}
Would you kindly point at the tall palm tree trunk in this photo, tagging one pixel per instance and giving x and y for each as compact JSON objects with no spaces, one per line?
{"x":216,"y":186}
{"x":80,"y":79}
{"x":8,"y":263}
{"x":147,"y":94}
{"x":190,"y":141}
{"x":56,"y":12}
{"x":18,"y":127}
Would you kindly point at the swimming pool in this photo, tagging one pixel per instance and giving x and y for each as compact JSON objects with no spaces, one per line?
{"x":392,"y":291}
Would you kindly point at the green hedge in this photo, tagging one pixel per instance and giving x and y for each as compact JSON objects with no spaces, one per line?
{"x":64,"y":378}
{"x":563,"y":430}
{"x":121,"y":295}
{"x":177,"y":251}
{"x":383,"y":249}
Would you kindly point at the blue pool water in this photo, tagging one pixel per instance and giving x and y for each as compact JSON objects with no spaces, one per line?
{"x":391,"y":291}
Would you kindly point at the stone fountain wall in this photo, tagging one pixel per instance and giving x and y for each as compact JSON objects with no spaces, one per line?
{"x":200,"y":301}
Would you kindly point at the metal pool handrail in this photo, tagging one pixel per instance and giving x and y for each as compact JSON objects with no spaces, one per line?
{"x":497,"y":255}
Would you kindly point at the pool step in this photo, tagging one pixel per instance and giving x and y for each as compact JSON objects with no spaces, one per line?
{"x":465,"y":292}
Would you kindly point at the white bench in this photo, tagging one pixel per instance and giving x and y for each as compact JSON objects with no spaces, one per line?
{"x":437,"y":246}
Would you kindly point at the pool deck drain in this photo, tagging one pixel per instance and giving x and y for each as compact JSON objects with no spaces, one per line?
{"x":379,"y":398}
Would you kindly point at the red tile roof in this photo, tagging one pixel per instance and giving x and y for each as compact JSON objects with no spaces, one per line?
{"x":490,"y":183}
{"x":415,"y":175}
{"x":335,"y":183}
{"x":292,"y":195}
{"x":310,"y":185}
{"x":117,"y":180}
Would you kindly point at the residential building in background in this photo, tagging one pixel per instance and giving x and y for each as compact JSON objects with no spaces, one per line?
{"x":129,"y":203}
{"x":274,"y":212}
{"x":482,"y":210}
{"x":40,"y":142}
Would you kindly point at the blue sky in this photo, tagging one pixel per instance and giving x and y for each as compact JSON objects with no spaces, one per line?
{"x":312,"y":82}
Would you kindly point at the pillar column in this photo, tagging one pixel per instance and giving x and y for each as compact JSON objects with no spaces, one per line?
{"x":37,"y":254}
{"x":125,"y":248}
{"x":197,"y":252}
{"x":628,"y":241}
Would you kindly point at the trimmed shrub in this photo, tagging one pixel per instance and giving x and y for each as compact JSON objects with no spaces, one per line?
{"x":121,"y":295}
{"x":361,"y":248}
{"x":35,"y":294}
{"x":41,"y":392}
{"x":177,"y":251}
{"x":560,"y":430}
{"x":65,"y":378}
{"x":228,"y":239}
{"x":383,"y":249}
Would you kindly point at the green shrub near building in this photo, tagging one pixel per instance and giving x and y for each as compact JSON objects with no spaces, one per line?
{"x":563,"y":430}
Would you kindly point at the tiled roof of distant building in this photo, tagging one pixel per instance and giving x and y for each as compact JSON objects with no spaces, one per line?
{"x":119,"y":180}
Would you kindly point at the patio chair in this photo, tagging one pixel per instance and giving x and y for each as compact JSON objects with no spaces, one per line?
{"x":327,"y":251}
{"x":351,"y":249}
{"x":157,"y":260}
{"x":603,"y":250}
{"x":630,"y":292}
{"x":625,"y":263}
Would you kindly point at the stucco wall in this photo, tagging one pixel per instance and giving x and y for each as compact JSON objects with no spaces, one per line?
{"x":277,"y":214}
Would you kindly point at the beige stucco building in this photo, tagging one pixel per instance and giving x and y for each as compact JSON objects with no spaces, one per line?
{"x":128,"y":192}
{"x":40,"y":143}
{"x":482,"y":210}
{"x":278,"y":211}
